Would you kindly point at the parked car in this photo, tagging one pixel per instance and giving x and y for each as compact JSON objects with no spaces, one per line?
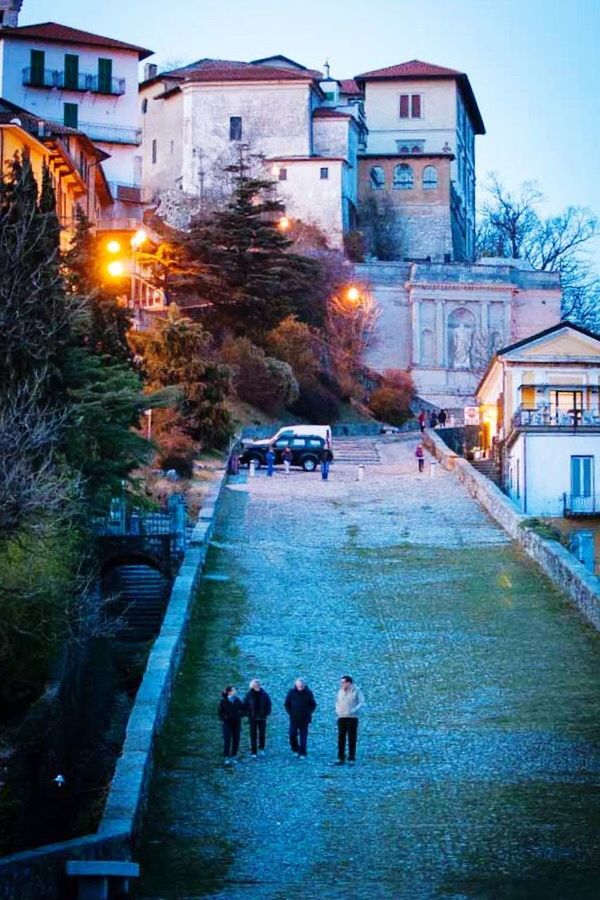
{"x":308,"y":450}
{"x":323,"y":431}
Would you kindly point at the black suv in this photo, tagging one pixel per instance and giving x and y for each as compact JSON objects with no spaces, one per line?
{"x":307,"y":451}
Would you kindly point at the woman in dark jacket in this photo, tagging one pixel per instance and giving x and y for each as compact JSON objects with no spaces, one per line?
{"x":230,"y":713}
{"x":257,"y":706}
{"x":300,"y":704}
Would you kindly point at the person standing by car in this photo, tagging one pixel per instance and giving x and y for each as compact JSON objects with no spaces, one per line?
{"x":257,"y":706}
{"x":230,"y":713}
{"x":348,"y":703}
{"x":270,"y":460}
{"x":300,"y":704}
{"x":287,"y":457}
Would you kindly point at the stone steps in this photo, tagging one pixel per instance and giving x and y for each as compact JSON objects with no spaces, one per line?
{"x":354,"y":453}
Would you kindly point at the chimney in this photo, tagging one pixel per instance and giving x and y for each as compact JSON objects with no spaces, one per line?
{"x":150,"y":69}
{"x":9,"y":13}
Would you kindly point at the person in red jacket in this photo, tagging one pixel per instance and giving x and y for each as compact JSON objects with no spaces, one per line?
{"x":421,"y":418}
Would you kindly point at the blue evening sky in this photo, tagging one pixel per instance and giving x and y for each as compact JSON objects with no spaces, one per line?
{"x":534,"y":64}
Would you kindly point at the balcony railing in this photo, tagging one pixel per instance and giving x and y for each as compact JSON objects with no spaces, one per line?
{"x":110,"y":134}
{"x":56,"y":78}
{"x":581,"y":506}
{"x":543,"y":417}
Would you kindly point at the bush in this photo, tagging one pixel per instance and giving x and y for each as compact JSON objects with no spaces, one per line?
{"x":294,"y":343}
{"x":355,"y":245}
{"x":390,"y":402}
{"x":316,"y":404}
{"x":258,"y":379}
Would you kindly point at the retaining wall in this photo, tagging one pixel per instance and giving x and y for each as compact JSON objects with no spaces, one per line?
{"x":39,"y":874}
{"x":562,"y":567}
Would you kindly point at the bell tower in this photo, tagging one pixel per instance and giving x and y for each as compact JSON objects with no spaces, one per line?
{"x":9,"y":13}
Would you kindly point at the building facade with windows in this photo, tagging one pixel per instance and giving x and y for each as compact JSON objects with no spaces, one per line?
{"x":540,"y":408}
{"x":86,"y":82}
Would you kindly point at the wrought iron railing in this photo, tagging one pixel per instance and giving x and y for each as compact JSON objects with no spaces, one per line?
{"x":111,"y":134}
{"x":80,"y":81}
{"x":574,"y":505}
{"x":543,"y":417}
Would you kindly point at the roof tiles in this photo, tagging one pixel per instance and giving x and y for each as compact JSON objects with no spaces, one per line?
{"x":52,"y":31}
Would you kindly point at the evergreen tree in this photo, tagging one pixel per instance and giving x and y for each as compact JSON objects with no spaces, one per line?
{"x":246,"y":271}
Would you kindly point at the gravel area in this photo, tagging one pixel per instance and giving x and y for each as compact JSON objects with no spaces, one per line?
{"x":479,"y":751}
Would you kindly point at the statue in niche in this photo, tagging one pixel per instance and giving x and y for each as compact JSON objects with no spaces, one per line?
{"x":462,"y":337}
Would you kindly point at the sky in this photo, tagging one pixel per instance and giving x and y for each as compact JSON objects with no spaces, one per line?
{"x":534,"y":65}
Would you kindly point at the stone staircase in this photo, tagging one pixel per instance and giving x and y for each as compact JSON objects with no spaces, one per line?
{"x":351,"y":452}
{"x":140,"y":595}
{"x":488,"y":468}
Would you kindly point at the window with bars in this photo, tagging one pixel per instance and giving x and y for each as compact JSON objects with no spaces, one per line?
{"x":403,"y":178}
{"x":430,"y":178}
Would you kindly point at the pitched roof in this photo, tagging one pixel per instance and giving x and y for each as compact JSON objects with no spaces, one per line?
{"x":416,"y":68}
{"x":63,"y":34}
{"x":272,"y":59}
{"x":233,"y":70}
{"x":349,"y":86}
{"x":323,"y":112}
{"x":548,"y":331}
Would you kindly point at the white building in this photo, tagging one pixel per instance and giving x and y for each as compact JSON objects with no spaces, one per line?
{"x":86,"y":82}
{"x":196,"y":119}
{"x":540,"y":402}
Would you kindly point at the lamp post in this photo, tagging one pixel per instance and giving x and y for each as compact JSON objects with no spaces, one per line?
{"x":136,"y":241}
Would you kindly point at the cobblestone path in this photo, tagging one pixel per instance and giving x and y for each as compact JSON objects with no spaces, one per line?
{"x":479,"y":753}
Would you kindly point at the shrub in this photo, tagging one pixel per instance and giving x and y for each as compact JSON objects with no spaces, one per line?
{"x":294,"y":342}
{"x":390,"y":402}
{"x":355,"y":245}
{"x":264,"y":381}
{"x":316,"y":404}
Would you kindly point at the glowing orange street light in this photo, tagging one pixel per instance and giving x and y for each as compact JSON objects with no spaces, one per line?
{"x":113,"y":246}
{"x":353,"y":294}
{"x":138,"y":238}
{"x":115,"y":268}
{"x":284,"y":223}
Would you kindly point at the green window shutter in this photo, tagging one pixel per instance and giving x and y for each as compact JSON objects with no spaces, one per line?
{"x":70,"y":118}
{"x":37,"y":63}
{"x":71,"y":71}
{"x":104,"y":76}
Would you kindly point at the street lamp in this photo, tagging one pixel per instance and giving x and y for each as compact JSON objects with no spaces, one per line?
{"x":136,"y":241}
{"x":284,"y":223}
{"x":353,"y":294}
{"x":115,"y":268}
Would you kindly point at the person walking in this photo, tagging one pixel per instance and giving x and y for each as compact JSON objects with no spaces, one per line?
{"x":420,"y":454}
{"x":270,"y":460}
{"x":421,"y":419}
{"x":348,"y":703}
{"x":300,"y":704}
{"x":230,"y":713}
{"x":287,"y":456}
{"x":442,"y":418}
{"x":257,"y":706}
{"x":325,"y":463}
{"x":433,"y":419}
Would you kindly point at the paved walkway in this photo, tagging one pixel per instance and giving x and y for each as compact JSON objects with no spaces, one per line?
{"x":479,"y":753}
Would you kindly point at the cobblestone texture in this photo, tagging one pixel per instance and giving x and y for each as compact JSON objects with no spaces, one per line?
{"x":479,"y":752}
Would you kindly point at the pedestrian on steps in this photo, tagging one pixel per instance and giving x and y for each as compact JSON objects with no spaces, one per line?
{"x":348,"y":703}
{"x":230,"y":713}
{"x":420,"y":454}
{"x":257,"y":706}
{"x":300,"y":704}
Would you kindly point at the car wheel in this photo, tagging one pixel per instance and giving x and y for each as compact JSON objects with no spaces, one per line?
{"x":257,"y":461}
{"x":309,"y":464}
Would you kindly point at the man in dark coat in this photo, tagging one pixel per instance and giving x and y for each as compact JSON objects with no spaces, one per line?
{"x":257,"y":706}
{"x":300,"y":704}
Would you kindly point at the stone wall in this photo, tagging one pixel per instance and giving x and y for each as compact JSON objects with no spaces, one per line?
{"x":567,"y":573}
{"x":39,"y":874}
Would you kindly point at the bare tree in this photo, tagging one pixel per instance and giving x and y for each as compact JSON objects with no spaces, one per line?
{"x":512,"y":225}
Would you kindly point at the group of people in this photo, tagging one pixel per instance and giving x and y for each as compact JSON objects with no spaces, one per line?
{"x":300,"y":705}
{"x":435,"y":418}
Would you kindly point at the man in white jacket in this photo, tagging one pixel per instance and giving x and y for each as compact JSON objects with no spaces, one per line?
{"x":348,"y":702}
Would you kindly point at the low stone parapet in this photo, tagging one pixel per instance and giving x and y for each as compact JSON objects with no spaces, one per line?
{"x":558,"y":564}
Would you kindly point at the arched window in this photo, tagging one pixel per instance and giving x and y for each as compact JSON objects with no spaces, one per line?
{"x":403,"y":178}
{"x":377,"y":176}
{"x":430,"y":178}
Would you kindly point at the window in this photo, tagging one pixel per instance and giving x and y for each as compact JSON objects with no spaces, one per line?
{"x":324,"y":173}
{"x":410,"y":106}
{"x":70,"y":115}
{"x":582,"y":476}
{"x":377,"y":177}
{"x":235,"y":128}
{"x":145,"y":105}
{"x":37,"y":61}
{"x":104,"y":76}
{"x":154,"y":151}
{"x":403,"y":178}
{"x":71,"y":71}
{"x":430,"y":178}
{"x":282,"y":174}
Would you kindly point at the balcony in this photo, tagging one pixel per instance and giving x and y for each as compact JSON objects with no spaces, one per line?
{"x":84,"y":82}
{"x":574,"y":505}
{"x":543,"y":418}
{"x":110,"y":134}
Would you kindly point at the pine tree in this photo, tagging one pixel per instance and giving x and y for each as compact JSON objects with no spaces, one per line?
{"x":246,"y":270}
